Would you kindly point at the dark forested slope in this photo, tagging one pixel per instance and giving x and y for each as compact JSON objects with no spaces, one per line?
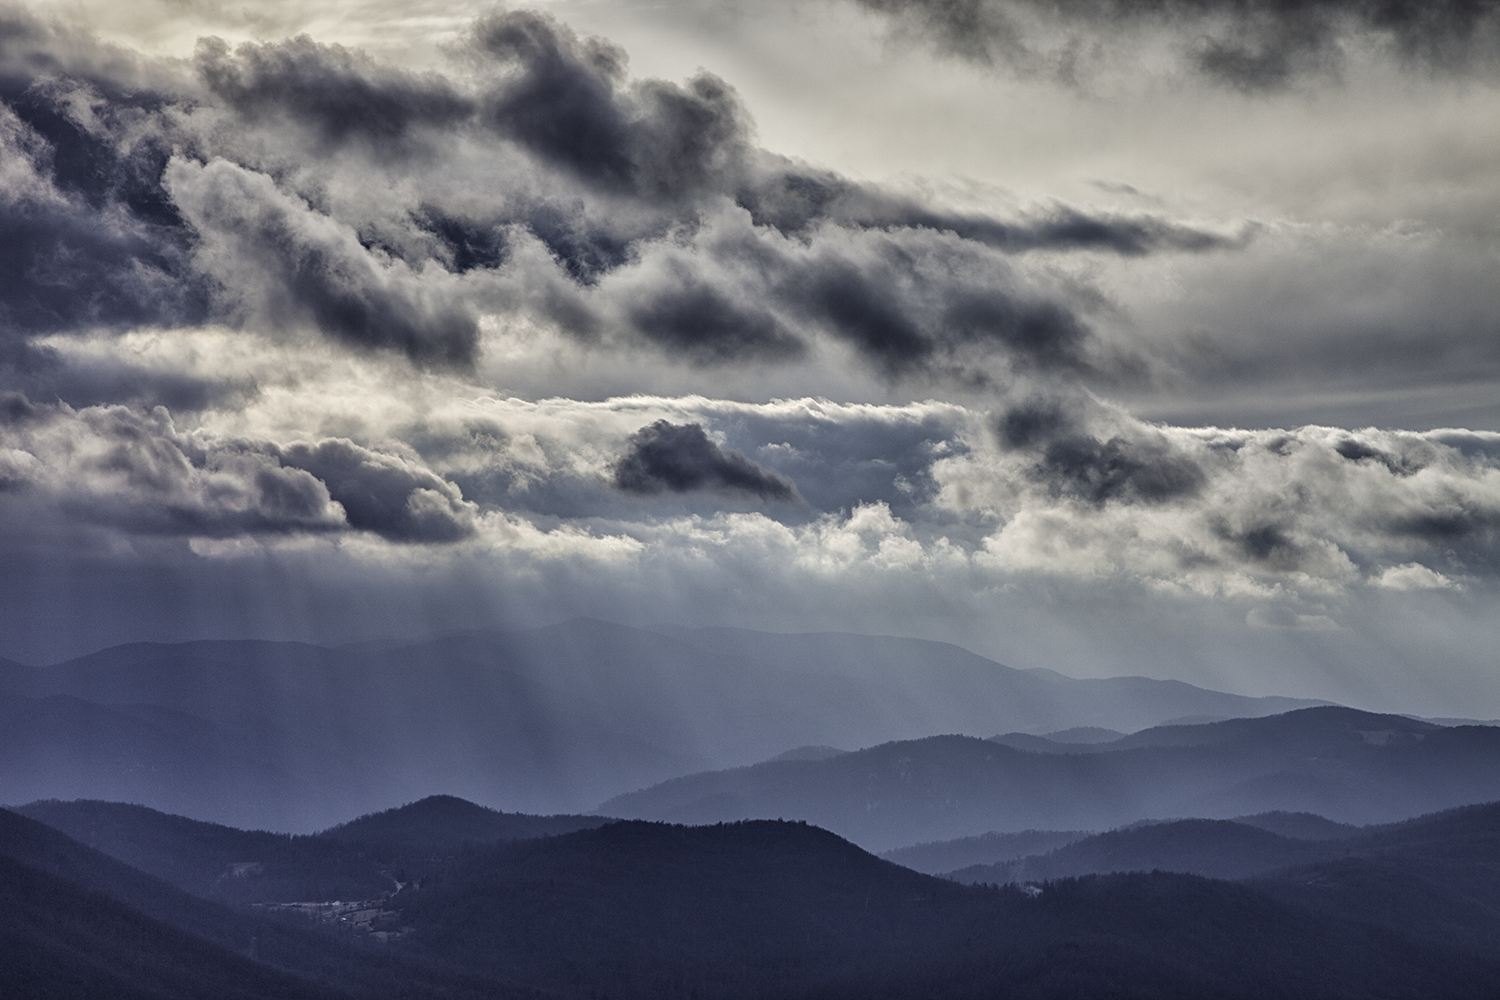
{"x":784,"y":909}
{"x":216,"y":861}
{"x":755,"y":909}
{"x":80,"y":924}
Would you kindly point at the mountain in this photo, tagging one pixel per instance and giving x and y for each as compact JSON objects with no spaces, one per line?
{"x":783,"y":909}
{"x":1047,"y":744}
{"x":809,"y":753}
{"x":1467,"y":837}
{"x":297,"y":737}
{"x":62,"y":942}
{"x":943,"y":856}
{"x":1085,"y":734}
{"x":443,"y":824}
{"x":1299,"y":825}
{"x":753,"y":909}
{"x":366,"y":858}
{"x":986,"y":853}
{"x":1435,"y":878}
{"x":1350,"y":766}
{"x":215,"y":861}
{"x":924,"y":687}
{"x":1220,"y":849}
{"x":76,"y":923}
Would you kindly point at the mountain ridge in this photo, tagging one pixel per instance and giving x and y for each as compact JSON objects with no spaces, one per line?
{"x":1348,"y":765}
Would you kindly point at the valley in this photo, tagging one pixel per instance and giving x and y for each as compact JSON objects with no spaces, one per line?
{"x":1316,"y":851}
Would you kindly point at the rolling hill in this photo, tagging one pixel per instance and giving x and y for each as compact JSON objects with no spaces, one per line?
{"x":754,"y":909}
{"x":766,"y":908}
{"x":76,"y":923}
{"x":443,"y":824}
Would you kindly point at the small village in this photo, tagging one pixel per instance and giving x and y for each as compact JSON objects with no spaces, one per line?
{"x":359,"y":916}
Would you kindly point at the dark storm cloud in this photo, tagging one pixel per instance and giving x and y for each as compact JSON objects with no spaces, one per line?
{"x":293,"y":186}
{"x":385,"y":494}
{"x":341,"y":95}
{"x":1249,"y":44}
{"x":1267,"y":544}
{"x":689,"y":316}
{"x":1143,"y":467}
{"x":275,"y":256}
{"x":15,"y":408}
{"x":794,"y":198}
{"x":84,"y":243}
{"x":1045,"y":335}
{"x":94,"y":237}
{"x":1358,"y":451}
{"x":907,"y":302}
{"x":1118,"y":469}
{"x":1032,"y":422}
{"x":569,"y":100}
{"x":680,"y":458}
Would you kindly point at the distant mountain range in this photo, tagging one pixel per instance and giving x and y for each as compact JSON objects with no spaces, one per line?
{"x":942,"y":857}
{"x":1350,"y":766}
{"x":1435,"y":877}
{"x":743,"y":910}
{"x":985,"y":858}
{"x":555,"y":720}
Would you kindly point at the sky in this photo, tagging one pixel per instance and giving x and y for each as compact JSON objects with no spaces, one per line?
{"x":1109,"y":337}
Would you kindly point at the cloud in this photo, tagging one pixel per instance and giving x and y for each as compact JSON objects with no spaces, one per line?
{"x":289,"y":188}
{"x":73,"y":256}
{"x":390,"y":496}
{"x":132,"y":471}
{"x":1144,"y":467}
{"x":1046,"y":489}
{"x":666,"y":457}
{"x":338,"y":95}
{"x":279,"y":260}
{"x":1412,"y":576}
{"x":906,"y":302}
{"x":557,"y":459}
{"x":569,"y":101}
{"x":917,"y":510}
{"x":795,"y":198}
{"x":1255,"y":46}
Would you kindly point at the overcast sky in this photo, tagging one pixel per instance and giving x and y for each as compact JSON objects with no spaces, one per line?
{"x":1094,"y":335}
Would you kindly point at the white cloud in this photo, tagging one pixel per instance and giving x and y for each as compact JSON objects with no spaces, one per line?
{"x":1412,"y":576}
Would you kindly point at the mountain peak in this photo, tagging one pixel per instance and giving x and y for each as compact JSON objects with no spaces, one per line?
{"x":442,"y":824}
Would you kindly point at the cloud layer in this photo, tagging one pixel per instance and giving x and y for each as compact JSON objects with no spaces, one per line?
{"x":1305,"y":517}
{"x":1257,"y":45}
{"x":293,"y":186}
